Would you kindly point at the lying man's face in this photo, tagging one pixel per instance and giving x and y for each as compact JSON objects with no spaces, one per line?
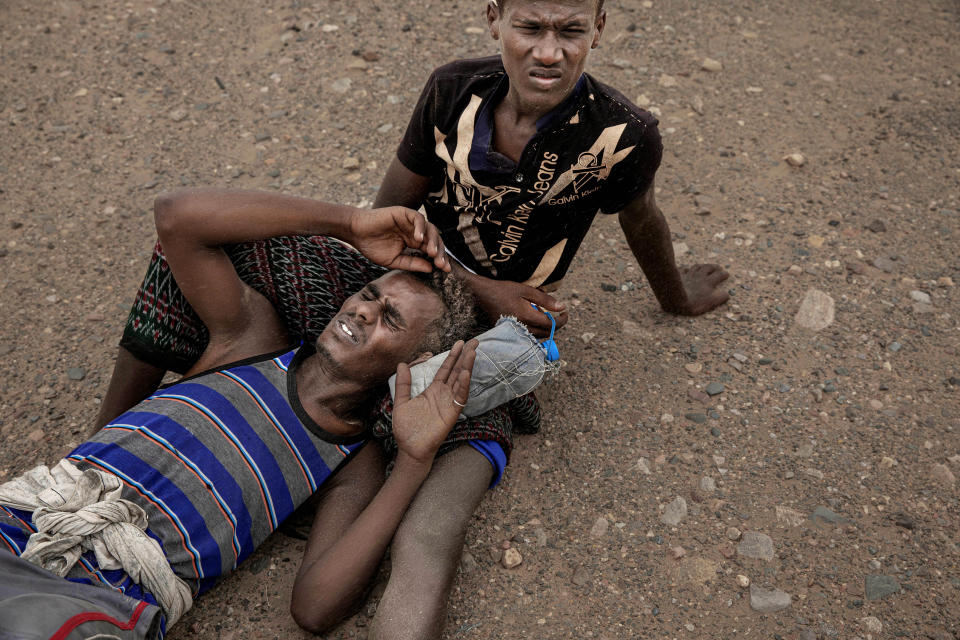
{"x":545,"y":45}
{"x":379,"y":327}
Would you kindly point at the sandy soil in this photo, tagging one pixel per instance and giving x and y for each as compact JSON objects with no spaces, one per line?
{"x":825,"y":444}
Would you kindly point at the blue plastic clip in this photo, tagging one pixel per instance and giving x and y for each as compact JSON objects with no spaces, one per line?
{"x":553,"y":353}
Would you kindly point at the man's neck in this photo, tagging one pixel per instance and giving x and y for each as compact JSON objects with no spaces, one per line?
{"x":330,"y":398}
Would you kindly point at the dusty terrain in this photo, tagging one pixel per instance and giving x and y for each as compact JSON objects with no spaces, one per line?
{"x":834,"y":434}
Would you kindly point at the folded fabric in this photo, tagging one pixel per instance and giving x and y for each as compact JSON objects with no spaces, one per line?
{"x":510,"y":363}
{"x":75,"y":511}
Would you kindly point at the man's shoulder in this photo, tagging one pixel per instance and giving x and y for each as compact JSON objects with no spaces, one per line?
{"x":610,"y":105}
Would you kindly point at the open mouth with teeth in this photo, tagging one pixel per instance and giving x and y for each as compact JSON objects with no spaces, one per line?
{"x":351,"y":333}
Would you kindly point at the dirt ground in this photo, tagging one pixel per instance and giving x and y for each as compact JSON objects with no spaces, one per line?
{"x":803,"y":438}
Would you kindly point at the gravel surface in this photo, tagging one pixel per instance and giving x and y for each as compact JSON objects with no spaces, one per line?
{"x":784,"y":467}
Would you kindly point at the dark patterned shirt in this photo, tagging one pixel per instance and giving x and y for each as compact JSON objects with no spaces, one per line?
{"x":524,"y":221}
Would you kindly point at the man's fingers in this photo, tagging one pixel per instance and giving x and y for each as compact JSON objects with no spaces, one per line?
{"x":402,"y":395}
{"x":461,"y":386}
{"x":411,"y":263}
{"x":545,"y":300}
{"x":444,"y":371}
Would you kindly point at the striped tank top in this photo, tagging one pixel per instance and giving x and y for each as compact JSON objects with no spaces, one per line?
{"x":218,"y":461}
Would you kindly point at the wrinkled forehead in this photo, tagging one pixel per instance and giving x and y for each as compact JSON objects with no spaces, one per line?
{"x":413,"y":298}
{"x":576,"y":5}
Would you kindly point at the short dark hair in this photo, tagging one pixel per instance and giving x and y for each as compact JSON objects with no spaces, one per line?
{"x":503,"y":3}
{"x":459,"y":319}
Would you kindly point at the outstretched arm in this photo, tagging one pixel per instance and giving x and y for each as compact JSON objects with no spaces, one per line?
{"x":690,"y":291}
{"x":334,"y":574}
{"x":194,"y":224}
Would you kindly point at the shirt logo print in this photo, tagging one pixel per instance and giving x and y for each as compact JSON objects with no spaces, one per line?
{"x":587,"y":170}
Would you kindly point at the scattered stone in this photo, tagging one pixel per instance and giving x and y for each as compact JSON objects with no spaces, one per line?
{"x":350,"y":163}
{"x":511,"y":559}
{"x":765,"y":601}
{"x":468,"y":563}
{"x":795,"y":159}
{"x":643,"y":466}
{"x":822,"y":514}
{"x":600,"y":527}
{"x":876,"y":226}
{"x":693,"y":367}
{"x":789,"y":517}
{"x":677,"y":552}
{"x":341,"y":85}
{"x":587,"y":337}
{"x":733,"y":533}
{"x":877,"y":586}
{"x":707,"y":484}
{"x":714,"y":388}
{"x":816,"y":311}
{"x":698,"y":418}
{"x":709,"y":64}
{"x":35,"y":436}
{"x":903,"y":520}
{"x":699,"y":396}
{"x":581,"y":576}
{"x":814,"y":473}
{"x":885,"y":264}
{"x":920,"y":296}
{"x":76,"y":373}
{"x":667,"y":81}
{"x":743,"y":581}
{"x":631,"y":328}
{"x":756,"y":545}
{"x":887,"y":462}
{"x":675,"y":512}
{"x":178,"y":115}
{"x":941,"y":474}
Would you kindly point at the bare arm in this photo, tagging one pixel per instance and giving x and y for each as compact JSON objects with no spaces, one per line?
{"x":335,"y":573}
{"x":689,"y":291}
{"x":193,"y":225}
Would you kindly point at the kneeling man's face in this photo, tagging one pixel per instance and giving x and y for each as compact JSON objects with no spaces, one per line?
{"x":544,"y":45}
{"x":379,"y":327}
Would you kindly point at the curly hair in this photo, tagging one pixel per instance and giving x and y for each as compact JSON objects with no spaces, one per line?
{"x":459,"y":320}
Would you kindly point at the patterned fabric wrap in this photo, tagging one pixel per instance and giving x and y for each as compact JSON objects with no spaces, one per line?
{"x":307,"y":279}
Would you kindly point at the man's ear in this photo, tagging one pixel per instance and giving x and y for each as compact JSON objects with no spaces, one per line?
{"x":600,"y":24}
{"x":493,"y":19}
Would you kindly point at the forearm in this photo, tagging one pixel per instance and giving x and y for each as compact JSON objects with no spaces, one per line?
{"x":649,"y":239}
{"x":401,"y":187}
{"x":214,"y":217}
{"x":330,"y":584}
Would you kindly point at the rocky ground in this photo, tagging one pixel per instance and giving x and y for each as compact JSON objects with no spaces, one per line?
{"x":783,"y":467}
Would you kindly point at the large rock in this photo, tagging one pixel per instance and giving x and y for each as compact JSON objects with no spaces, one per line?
{"x":816,"y":311}
{"x":878,"y":586}
{"x":675,"y":512}
{"x":768,"y":601}
{"x":756,"y":545}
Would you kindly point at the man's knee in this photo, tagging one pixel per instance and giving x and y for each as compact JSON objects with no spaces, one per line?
{"x":432,"y":531}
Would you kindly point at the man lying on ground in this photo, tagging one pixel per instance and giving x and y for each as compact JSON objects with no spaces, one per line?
{"x":512,"y":157}
{"x":172,"y":495}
